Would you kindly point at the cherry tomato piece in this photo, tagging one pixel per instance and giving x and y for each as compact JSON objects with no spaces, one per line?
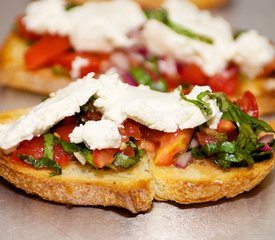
{"x":248,"y":104}
{"x":103,"y":157}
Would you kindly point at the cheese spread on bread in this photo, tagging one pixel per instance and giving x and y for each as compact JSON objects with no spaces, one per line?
{"x":117,"y":101}
{"x":93,"y":26}
{"x":251,"y":51}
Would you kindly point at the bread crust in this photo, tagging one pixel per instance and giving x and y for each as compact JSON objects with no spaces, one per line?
{"x":104,"y":188}
{"x":134,"y":189}
{"x":203,"y":181}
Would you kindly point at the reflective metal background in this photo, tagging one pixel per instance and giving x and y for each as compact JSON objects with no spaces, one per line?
{"x":249,"y":216}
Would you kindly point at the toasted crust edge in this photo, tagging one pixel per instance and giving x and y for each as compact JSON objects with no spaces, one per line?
{"x":136,"y":196}
{"x":227,"y":184}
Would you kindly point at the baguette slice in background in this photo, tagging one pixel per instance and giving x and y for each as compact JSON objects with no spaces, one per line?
{"x":133,"y":189}
{"x":157,"y":3}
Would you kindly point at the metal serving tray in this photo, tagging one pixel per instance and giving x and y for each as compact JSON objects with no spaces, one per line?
{"x":248,"y":216}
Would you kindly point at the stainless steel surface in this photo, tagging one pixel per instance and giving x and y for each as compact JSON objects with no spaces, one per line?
{"x":249,"y":216}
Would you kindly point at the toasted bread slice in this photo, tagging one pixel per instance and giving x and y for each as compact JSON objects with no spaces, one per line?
{"x":134,"y":189}
{"x":13,"y":74}
{"x":81,"y":185}
{"x":203,"y":181}
{"x":158,"y":3}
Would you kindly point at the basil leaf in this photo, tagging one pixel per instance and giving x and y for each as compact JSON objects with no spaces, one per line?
{"x":258,"y":157}
{"x":162,"y":16}
{"x":88,"y":156}
{"x":69,"y":6}
{"x":158,"y":14}
{"x":189,"y":33}
{"x":123,"y":161}
{"x":48,"y":145}
{"x":244,"y":150}
{"x":140,"y":76}
{"x":197,"y":153}
{"x":201,"y":104}
{"x":42,"y":163}
{"x":160,"y":85}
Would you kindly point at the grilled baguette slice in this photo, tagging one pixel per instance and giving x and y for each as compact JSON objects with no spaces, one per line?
{"x":80,"y":185}
{"x":44,"y":81}
{"x":134,"y":189}
{"x":158,"y":3}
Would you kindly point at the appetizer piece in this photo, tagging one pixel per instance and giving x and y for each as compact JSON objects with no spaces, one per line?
{"x":104,"y":142}
{"x":49,"y":49}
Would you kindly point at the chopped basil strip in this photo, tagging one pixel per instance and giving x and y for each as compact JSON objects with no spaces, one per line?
{"x":48,"y":145}
{"x":58,"y":70}
{"x":200,"y":103}
{"x":124,"y":161}
{"x":162,"y":16}
{"x":140,"y":76}
{"x":70,"y":6}
{"x":160,"y":86}
{"x":42,"y":163}
{"x":243,"y":151}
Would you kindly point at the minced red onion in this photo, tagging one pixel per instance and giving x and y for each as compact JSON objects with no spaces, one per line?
{"x":267,"y":138}
{"x":129,"y":79}
{"x":183,"y":159}
{"x":120,"y":60}
{"x":266,"y":148}
{"x":168,"y":66}
{"x":194,"y":143}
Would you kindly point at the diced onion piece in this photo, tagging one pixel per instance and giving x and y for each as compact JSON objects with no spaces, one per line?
{"x":194,"y":143}
{"x":79,"y":156}
{"x":183,"y":159}
{"x":267,"y":138}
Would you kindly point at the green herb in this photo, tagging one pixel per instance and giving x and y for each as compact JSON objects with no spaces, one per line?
{"x":71,"y":148}
{"x":69,"y":6}
{"x":42,"y":163}
{"x":162,"y":16}
{"x":243,"y":151}
{"x":140,"y":76}
{"x":188,"y":33}
{"x":58,"y":70}
{"x":48,"y":145}
{"x":124,"y":161}
{"x":200,"y":103}
{"x":160,"y":85}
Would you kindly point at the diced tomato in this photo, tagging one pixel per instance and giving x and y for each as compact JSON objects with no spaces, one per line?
{"x":66,"y":59}
{"x":151,"y":134}
{"x":192,"y":74}
{"x":45,"y":49}
{"x":103,"y":157}
{"x":60,"y":156}
{"x":72,"y":120}
{"x":95,"y":116}
{"x":33,"y":147}
{"x":130,"y":152}
{"x":147,"y":145}
{"x":248,"y":104}
{"x":23,"y":31}
{"x":171,"y":144}
{"x":205,"y":138}
{"x":132,"y":129}
{"x":226,"y":81}
{"x":64,"y":131}
{"x":226,"y":126}
{"x":122,"y":132}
